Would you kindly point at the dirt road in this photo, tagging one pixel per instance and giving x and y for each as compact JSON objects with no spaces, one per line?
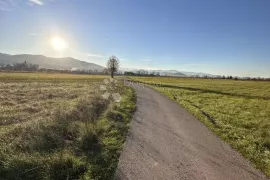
{"x":166,"y":142}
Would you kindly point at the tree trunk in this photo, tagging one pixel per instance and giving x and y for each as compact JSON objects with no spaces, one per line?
{"x":111,"y":74}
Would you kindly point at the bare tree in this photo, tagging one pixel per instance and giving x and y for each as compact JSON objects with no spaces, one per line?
{"x":113,"y":65}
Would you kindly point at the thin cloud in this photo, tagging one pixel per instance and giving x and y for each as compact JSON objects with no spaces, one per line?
{"x":6,"y":5}
{"x":38,"y":2}
{"x":192,"y":65}
{"x":150,"y":68}
{"x":4,"y":9}
{"x":12,"y":2}
{"x":85,"y":54}
{"x":147,"y":60}
{"x":95,"y":55}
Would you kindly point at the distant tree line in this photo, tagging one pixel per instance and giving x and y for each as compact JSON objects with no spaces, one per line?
{"x":146,"y":73}
{"x":141,"y":73}
{"x":232,"y":78}
{"x":24,"y":66}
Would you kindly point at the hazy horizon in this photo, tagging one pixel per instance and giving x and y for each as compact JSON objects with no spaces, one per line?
{"x":147,"y":69}
{"x":220,"y":38}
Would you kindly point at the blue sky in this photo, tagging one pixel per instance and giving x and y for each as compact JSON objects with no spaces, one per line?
{"x":230,"y":37}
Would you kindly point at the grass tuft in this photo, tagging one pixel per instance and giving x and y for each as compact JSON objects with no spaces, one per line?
{"x":61,"y":128}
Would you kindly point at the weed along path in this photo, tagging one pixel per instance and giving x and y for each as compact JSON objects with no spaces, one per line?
{"x":166,"y":142}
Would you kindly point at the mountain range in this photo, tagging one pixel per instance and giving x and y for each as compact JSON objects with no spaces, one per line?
{"x":49,"y":62}
{"x":175,"y":73}
{"x":71,"y":63}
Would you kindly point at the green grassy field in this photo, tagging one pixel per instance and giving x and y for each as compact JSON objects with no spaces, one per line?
{"x":237,"y":111}
{"x":58,"y":126}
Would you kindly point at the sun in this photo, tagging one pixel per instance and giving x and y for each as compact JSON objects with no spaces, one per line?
{"x":59,"y":44}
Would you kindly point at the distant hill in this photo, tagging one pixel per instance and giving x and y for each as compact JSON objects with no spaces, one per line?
{"x":48,"y":62}
{"x":175,"y":73}
{"x":200,"y":74}
{"x":161,"y":72}
{"x":170,"y":73}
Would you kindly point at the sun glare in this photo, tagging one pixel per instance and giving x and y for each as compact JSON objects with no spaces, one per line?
{"x":59,"y":43}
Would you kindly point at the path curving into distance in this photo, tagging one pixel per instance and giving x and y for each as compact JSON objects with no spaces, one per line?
{"x":165,"y":142}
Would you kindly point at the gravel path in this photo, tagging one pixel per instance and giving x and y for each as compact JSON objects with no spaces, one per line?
{"x":166,"y":142}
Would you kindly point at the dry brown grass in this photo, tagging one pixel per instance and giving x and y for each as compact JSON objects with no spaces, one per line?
{"x":58,"y":126}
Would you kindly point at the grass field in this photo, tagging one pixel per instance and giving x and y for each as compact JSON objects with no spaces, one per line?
{"x":237,"y":111}
{"x":58,"y":126}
